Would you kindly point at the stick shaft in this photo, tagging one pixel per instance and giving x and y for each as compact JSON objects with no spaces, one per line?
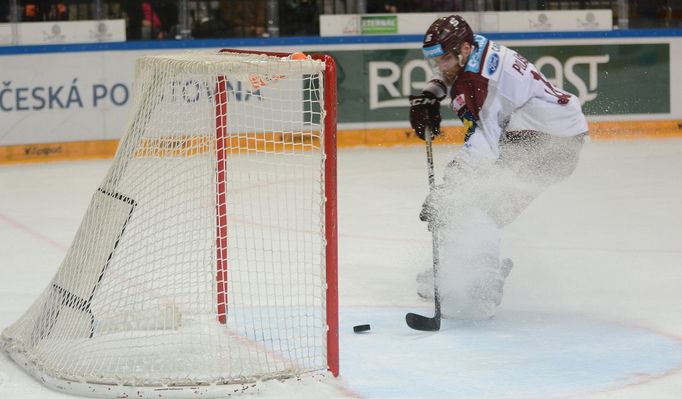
{"x":434,"y":233}
{"x":415,"y":321}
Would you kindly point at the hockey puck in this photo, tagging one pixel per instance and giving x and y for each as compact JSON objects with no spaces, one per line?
{"x":361,"y":328}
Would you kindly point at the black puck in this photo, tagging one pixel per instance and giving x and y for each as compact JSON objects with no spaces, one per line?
{"x":361,"y":328}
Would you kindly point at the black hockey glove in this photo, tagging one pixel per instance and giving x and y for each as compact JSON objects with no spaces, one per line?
{"x":425,"y":112}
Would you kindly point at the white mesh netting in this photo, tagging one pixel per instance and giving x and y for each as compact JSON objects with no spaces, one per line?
{"x":201,"y":259}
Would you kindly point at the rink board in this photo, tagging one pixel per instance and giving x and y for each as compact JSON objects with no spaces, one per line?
{"x":387,"y":137}
{"x":81,"y":108}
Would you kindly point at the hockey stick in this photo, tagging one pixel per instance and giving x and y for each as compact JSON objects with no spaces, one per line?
{"x":415,"y":321}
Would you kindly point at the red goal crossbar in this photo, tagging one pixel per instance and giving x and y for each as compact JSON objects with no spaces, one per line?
{"x":331,"y":250}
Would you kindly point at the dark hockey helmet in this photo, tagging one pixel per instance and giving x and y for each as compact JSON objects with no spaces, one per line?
{"x":447,"y":34}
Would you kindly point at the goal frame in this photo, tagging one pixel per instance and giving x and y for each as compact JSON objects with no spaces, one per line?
{"x":215,"y":232}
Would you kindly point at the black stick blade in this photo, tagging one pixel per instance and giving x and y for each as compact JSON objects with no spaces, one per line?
{"x":422,"y":323}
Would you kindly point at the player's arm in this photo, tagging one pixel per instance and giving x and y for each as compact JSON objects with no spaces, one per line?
{"x":425,"y":108}
{"x":482,"y":133}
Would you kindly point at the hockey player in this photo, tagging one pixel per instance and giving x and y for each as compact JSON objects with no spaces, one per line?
{"x":522,"y":135}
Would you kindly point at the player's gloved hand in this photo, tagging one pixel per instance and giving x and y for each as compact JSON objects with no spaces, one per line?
{"x":425,"y":113}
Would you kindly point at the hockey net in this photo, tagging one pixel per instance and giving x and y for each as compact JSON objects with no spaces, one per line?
{"x":207,"y":255}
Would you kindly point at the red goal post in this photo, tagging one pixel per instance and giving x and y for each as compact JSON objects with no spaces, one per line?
{"x":330,"y":182}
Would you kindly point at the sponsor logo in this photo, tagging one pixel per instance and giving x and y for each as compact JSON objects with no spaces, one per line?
{"x":101,"y":32}
{"x":585,"y":71}
{"x":493,"y":63}
{"x":423,"y":100}
{"x":474,"y":63}
{"x":351,"y":27}
{"x":391,"y":82}
{"x":45,"y":150}
{"x":379,"y":25}
{"x":588,"y":89}
{"x":433,"y":51}
{"x":541,"y":23}
{"x":590,"y":21}
{"x":55,"y":35}
{"x":458,"y":103}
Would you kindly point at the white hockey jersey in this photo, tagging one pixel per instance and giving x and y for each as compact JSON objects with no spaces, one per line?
{"x":499,"y":90}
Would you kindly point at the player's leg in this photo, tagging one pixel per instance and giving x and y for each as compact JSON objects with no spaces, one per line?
{"x":471,"y":277}
{"x":471,"y":273}
{"x":542,"y":142}
{"x":468,"y":212}
{"x":539,"y":159}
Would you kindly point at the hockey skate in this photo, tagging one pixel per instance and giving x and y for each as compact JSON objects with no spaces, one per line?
{"x":483,"y":296}
{"x":491,"y":287}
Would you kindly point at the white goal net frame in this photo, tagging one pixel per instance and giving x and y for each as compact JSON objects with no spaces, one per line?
{"x":208,"y":255}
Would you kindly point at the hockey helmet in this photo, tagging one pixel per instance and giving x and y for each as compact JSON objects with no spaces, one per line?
{"x":446,"y":35}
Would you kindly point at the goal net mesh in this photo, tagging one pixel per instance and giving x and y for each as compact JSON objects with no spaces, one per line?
{"x":201,"y":258}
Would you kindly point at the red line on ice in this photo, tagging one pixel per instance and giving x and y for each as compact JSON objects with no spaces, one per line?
{"x":31,"y":232}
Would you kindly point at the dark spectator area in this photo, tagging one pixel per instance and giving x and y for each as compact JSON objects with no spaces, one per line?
{"x":183,"y":19}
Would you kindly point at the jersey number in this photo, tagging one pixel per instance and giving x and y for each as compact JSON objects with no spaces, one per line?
{"x":562,"y":98}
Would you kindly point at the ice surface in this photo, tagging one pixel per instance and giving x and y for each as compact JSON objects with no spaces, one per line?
{"x":591,"y":310}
